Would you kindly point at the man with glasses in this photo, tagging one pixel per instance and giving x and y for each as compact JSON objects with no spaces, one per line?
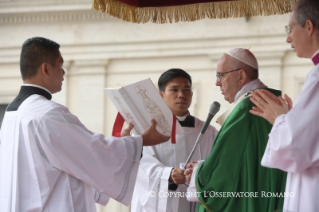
{"x":293,"y":144}
{"x":231,"y":178}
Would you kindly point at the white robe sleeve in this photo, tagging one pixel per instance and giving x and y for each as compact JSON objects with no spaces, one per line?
{"x":293,"y":144}
{"x":191,"y":190}
{"x":152,"y":182}
{"x":100,"y":198}
{"x":156,"y":165}
{"x":109,"y":165}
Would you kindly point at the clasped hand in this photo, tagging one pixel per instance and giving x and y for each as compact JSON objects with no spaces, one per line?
{"x":189,"y":170}
{"x":177,"y":176}
{"x":268,"y":105}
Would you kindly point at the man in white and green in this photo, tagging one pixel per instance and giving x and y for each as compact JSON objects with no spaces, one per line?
{"x":233,"y":166}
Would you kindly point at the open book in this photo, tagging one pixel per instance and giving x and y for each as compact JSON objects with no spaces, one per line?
{"x":139,"y":103}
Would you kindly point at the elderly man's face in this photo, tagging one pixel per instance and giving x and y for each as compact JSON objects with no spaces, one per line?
{"x":229,"y":82}
{"x":297,"y":37}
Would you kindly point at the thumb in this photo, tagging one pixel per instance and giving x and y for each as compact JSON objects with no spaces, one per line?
{"x":282,"y":101}
{"x":153,"y":127}
{"x":130,"y":126}
{"x":289,"y":101}
{"x":153,"y":123}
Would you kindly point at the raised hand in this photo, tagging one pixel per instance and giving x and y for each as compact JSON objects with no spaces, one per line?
{"x":127,"y":131}
{"x":269,"y":106}
{"x":152,"y":137}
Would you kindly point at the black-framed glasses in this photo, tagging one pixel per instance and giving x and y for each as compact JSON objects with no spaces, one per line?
{"x":220,"y":75}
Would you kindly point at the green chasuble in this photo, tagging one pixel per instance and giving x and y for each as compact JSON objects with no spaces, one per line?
{"x":231,"y":179}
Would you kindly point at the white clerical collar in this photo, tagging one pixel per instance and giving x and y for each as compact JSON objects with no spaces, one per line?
{"x":248,"y":87}
{"x":182,"y":118}
{"x":38,"y":86}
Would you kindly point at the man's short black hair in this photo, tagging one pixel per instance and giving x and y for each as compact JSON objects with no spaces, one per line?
{"x":36,"y":51}
{"x":171,"y":74}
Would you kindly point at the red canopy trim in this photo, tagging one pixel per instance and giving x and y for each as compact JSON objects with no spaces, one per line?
{"x":169,"y":11}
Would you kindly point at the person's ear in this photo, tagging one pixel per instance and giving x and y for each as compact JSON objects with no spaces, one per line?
{"x":162,"y":94}
{"x":242,"y":76}
{"x":309,"y":27}
{"x":44,"y":68}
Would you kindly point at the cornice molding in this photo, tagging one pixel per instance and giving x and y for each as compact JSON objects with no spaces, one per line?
{"x":268,"y":49}
{"x":54,"y":17}
{"x":23,"y":6}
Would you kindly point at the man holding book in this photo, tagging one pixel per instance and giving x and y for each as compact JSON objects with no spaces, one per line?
{"x":160,"y":182}
{"x":49,"y":161}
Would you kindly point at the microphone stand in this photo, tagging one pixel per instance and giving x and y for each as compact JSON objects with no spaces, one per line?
{"x":199,"y":138}
{"x":183,"y":165}
{"x":214,"y":108}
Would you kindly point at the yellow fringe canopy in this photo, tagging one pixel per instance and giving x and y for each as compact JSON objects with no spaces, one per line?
{"x":192,"y":12}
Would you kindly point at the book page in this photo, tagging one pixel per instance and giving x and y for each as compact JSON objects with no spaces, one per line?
{"x":145,"y":103}
{"x":124,"y":106}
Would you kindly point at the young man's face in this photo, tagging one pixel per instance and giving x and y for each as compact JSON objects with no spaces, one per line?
{"x":178,"y":95}
{"x":56,"y":74}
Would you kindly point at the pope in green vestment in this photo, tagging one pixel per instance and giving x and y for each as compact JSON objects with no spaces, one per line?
{"x":231,"y":179}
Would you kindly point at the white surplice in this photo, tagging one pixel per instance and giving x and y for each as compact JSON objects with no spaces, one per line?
{"x":50,"y":162}
{"x":293,"y":146}
{"x":155,"y":168}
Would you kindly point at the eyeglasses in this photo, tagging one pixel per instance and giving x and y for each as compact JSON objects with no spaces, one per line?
{"x":288,"y":28}
{"x":220,"y":75}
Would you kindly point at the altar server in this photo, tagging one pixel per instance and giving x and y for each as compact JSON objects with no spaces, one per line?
{"x":160,"y":182}
{"x":49,"y":161}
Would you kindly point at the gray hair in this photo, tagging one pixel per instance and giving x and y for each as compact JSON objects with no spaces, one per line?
{"x":307,"y":10}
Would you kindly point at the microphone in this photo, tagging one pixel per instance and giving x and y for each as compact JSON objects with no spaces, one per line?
{"x":214,"y":108}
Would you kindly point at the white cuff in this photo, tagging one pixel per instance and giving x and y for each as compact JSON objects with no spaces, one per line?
{"x":279,"y":119}
{"x":166,"y":173}
{"x":191,"y":190}
{"x":101,"y":198}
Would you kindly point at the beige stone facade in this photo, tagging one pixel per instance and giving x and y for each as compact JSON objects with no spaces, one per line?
{"x":100,"y":51}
